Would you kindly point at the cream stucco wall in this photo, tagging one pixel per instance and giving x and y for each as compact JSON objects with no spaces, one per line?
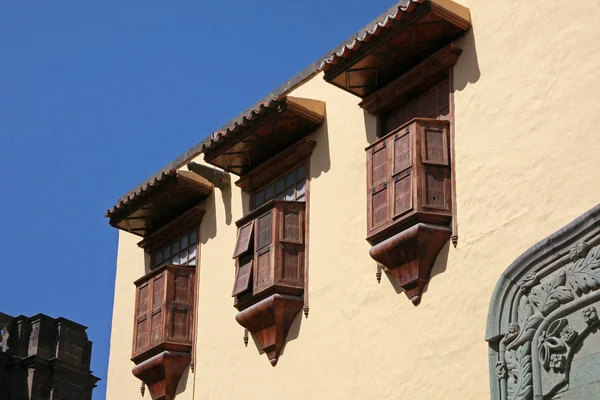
{"x":527,"y":159}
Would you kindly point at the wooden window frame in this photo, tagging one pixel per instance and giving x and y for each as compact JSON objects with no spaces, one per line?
{"x":283,"y":175}
{"x":154,"y":264}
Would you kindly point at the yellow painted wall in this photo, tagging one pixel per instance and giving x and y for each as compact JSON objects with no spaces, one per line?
{"x":527,"y":160}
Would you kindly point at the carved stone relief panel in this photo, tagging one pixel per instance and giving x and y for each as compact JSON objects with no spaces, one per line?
{"x":543,"y":324}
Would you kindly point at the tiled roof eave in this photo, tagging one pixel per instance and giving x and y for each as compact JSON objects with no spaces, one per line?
{"x":381,"y":23}
{"x":144,"y":189}
{"x":376,"y":28}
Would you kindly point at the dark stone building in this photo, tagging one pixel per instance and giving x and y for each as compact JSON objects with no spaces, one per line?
{"x":43,"y":358}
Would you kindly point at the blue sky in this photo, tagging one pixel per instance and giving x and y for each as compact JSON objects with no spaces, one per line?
{"x":95,"y":96}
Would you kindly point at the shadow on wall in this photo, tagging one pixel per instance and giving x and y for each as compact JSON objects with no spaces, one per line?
{"x":466,"y":69}
{"x":371,"y":127}
{"x":182,"y":386}
{"x":208,"y":228}
{"x":226,"y":197}
{"x":320,"y":161}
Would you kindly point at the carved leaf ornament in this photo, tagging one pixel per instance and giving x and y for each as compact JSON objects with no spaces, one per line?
{"x":519,"y":383}
{"x":539,"y":298}
{"x":584,"y":275}
{"x":550,"y":294}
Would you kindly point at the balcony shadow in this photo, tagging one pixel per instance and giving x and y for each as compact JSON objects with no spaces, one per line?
{"x":226,"y":198}
{"x":182,"y":385}
{"x":208,"y":227}
{"x":466,"y":70}
{"x":371,"y":127}
{"x":320,"y":161}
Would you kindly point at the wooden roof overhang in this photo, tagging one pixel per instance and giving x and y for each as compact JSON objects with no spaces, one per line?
{"x":412,"y":32}
{"x":158,"y":202}
{"x":264,"y":133}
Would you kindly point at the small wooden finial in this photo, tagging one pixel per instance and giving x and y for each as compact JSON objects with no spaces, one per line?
{"x":454,"y":239}
{"x":416,"y":299}
{"x":305,"y":312}
{"x":192,"y":365}
{"x":246,"y":337}
{"x":143,"y":389}
{"x":378,"y":274}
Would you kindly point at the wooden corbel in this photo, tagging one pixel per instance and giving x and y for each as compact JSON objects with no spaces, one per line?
{"x":162,"y":373}
{"x":270,"y":320}
{"x":409,"y":256}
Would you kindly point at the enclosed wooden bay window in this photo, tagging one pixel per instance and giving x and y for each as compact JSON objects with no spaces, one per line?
{"x":401,"y":67}
{"x":270,"y":271}
{"x":409,"y":178}
{"x":166,"y":212}
{"x":269,"y":150}
{"x":409,"y":207}
{"x":270,"y":251}
{"x":164,"y":311}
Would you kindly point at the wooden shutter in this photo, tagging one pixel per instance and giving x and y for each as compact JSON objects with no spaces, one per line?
{"x":180,"y":304}
{"x":292,"y":224}
{"x":402,"y":174}
{"x":243,"y":274}
{"x":263,"y":267}
{"x":378,"y":170}
{"x":434,"y":145}
{"x":435,"y":159}
{"x":244,"y":240}
{"x":142,"y":337}
{"x":156,"y":318}
{"x":292,"y":245}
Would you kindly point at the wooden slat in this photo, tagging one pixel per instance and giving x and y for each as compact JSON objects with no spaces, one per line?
{"x":243,"y":277}
{"x":244,"y":239}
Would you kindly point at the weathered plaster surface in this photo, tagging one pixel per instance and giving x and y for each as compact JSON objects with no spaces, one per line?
{"x":527,"y":157}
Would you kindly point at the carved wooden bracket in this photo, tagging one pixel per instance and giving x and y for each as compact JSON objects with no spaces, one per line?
{"x":409,"y":256}
{"x":162,"y":373}
{"x":270,"y":320}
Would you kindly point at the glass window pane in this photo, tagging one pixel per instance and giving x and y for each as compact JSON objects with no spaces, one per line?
{"x":269,"y":192}
{"x":175,"y":247}
{"x":259,"y":198}
{"x":175,"y":260}
{"x":166,"y":254}
{"x":300,"y":188}
{"x":280,"y":196}
{"x":301,"y":198}
{"x":158,"y":258}
{"x":184,"y":242}
{"x":290,"y":179}
{"x":183,"y":257}
{"x":279,"y":186}
{"x":301,"y":171}
{"x":192,"y":252}
{"x":289,"y":194}
{"x":193,"y":237}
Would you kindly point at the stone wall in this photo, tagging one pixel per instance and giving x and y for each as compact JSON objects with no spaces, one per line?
{"x":43,"y":358}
